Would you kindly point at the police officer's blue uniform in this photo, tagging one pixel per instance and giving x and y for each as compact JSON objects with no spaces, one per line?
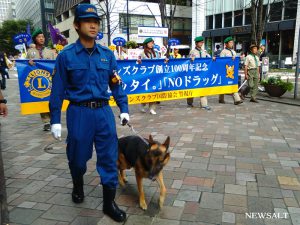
{"x":84,"y":77}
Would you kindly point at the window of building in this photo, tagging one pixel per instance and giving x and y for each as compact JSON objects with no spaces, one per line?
{"x":238,"y":18}
{"x":182,"y":24}
{"x":218,"y":6}
{"x":290,"y":9}
{"x":135,"y":21}
{"x":210,"y":8}
{"x":49,"y":4}
{"x":228,"y":19}
{"x":276,"y":11}
{"x":209,"y":22}
{"x":218,"y":21}
{"x":180,"y":2}
{"x":66,"y":33}
{"x":66,"y":15}
{"x":50,"y":17}
{"x":238,"y":4}
{"x":58,"y":19}
{"x":287,"y":44}
{"x":228,"y":6}
{"x":248,"y":18}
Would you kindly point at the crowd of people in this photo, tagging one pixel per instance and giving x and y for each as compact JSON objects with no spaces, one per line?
{"x":89,"y":117}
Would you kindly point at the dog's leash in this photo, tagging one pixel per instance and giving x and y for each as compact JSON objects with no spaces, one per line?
{"x":136,"y":133}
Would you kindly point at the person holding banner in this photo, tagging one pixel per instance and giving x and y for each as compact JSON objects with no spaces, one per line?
{"x":229,"y":52}
{"x":3,"y":108}
{"x":39,"y":51}
{"x":3,"y":70}
{"x":83,"y":73}
{"x":198,"y":52}
{"x":252,"y":71}
{"x":148,"y":53}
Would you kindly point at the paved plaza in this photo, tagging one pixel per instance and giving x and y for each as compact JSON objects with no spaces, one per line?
{"x":230,"y":165}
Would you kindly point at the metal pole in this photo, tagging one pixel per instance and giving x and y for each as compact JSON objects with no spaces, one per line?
{"x":127,"y":21}
{"x":297,"y":68}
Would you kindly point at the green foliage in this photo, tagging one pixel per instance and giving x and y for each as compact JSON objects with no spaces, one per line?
{"x":285,"y":85}
{"x":8,"y":29}
{"x":131,"y":44}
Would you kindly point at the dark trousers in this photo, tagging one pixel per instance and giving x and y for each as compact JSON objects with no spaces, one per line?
{"x":3,"y":74}
{"x":92,"y":127}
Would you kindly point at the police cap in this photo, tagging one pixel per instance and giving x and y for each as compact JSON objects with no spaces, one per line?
{"x":83,"y":11}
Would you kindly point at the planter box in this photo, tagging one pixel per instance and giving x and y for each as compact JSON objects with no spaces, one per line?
{"x":274,"y":91}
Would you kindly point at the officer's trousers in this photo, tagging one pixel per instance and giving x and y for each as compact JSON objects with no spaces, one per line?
{"x":88,"y":127}
{"x":253,"y":82}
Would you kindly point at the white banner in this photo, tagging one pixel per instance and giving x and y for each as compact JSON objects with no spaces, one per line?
{"x":134,"y":53}
{"x":152,"y":31}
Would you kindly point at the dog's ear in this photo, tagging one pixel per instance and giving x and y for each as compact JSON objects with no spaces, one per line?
{"x":166,"y":159}
{"x":151,"y":141}
{"x":167,"y":142}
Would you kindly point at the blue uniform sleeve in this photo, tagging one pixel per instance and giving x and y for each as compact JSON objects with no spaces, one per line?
{"x":117,"y":90}
{"x":58,"y":90}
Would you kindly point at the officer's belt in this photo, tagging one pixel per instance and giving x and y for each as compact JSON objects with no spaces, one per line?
{"x":253,"y":69}
{"x":91,"y":104}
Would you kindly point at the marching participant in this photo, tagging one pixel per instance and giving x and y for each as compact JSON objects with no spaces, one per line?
{"x":229,"y":52}
{"x":199,"y":52}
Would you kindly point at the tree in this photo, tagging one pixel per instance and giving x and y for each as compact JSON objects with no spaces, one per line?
{"x":260,"y":15}
{"x":106,"y":7}
{"x":8,"y":29}
{"x":167,"y":19}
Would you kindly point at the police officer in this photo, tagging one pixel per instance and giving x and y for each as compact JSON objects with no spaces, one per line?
{"x":229,"y":52}
{"x":199,"y":52}
{"x":84,"y":71}
{"x":40,"y":52}
{"x":252,"y":71}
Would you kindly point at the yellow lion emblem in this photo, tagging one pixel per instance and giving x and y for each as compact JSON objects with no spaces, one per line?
{"x":230,"y":71}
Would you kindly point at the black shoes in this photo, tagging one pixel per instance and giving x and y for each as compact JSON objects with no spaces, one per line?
{"x":238,"y":102}
{"x":47,"y":127}
{"x":78,"y":194}
{"x":253,"y":100}
{"x":110,"y":208}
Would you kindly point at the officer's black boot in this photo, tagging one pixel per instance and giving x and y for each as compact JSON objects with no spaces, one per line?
{"x":110,"y":208}
{"x":77,"y":194}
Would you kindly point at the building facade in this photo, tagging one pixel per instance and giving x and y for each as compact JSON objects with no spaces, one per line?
{"x":38,"y":11}
{"x":232,"y":18}
{"x":140,"y":13}
{"x":5,"y":6}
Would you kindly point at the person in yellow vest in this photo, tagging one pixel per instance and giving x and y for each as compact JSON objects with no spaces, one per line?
{"x":175,"y":54}
{"x":39,"y":51}
{"x":199,"y":52}
{"x":252,"y":64}
{"x":229,"y":52}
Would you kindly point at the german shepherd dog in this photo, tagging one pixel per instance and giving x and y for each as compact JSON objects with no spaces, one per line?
{"x":147,"y":160}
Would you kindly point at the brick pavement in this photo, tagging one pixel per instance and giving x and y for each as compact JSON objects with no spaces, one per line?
{"x":225,"y":163}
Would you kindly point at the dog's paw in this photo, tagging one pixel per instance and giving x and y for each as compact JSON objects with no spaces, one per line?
{"x":143,"y":205}
{"x":161,"y":202}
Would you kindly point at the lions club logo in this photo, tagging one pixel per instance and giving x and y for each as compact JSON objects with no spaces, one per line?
{"x":38,"y":83}
{"x":230,"y":71}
